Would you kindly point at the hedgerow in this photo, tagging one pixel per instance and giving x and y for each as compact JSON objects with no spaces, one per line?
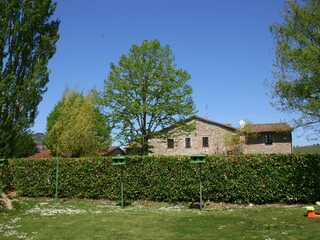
{"x":241,"y":179}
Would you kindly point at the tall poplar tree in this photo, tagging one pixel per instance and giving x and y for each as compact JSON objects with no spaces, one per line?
{"x":76,"y":127}
{"x":28,"y":35}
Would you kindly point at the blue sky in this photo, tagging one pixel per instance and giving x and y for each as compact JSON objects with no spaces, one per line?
{"x":226,"y":46}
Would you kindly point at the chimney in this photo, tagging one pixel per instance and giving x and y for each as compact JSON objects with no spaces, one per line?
{"x":243,"y":123}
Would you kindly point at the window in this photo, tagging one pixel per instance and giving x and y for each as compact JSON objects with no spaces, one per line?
{"x":188,"y":142}
{"x":170,"y":143}
{"x":268,"y":140}
{"x":205,"y":142}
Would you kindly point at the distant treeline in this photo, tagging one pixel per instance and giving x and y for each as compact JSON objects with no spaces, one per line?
{"x":310,"y":149}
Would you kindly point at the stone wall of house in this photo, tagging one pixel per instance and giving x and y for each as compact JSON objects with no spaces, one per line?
{"x":214,"y":133}
{"x":282,"y":144}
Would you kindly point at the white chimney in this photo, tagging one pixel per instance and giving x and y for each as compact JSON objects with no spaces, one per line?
{"x":242,"y":123}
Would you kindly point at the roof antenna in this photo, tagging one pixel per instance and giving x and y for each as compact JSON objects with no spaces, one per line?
{"x":206,"y":114}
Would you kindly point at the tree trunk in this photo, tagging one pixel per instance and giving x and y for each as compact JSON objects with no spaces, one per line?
{"x":6,"y":201}
{"x":145,"y":145}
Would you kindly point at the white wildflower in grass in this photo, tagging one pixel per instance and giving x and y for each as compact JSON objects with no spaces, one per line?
{"x":10,"y":233}
{"x":174,"y":208}
{"x":5,"y":227}
{"x":54,"y":211}
{"x":22,"y":236}
{"x":221,"y":227}
{"x":10,"y":229}
{"x":15,"y":220}
{"x":97,"y":212}
{"x":43,"y":203}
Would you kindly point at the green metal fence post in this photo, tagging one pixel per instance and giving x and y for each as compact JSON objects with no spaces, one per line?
{"x":199,"y":160}
{"x":121,"y":179}
{"x":120,"y":161}
{"x":200,"y":182}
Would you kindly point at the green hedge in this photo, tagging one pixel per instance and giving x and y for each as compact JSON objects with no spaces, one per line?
{"x":254,"y":178}
{"x":4,"y":177}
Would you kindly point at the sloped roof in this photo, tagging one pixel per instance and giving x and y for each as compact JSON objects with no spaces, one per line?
{"x":226,"y":126}
{"x":112,"y":150}
{"x":270,"y":127}
{"x":212,"y":122}
{"x":258,"y":128}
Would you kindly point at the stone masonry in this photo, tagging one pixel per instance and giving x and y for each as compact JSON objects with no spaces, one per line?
{"x":215,"y":134}
{"x":282,"y":143}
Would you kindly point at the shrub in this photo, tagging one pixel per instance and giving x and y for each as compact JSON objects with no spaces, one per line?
{"x":240,"y":179}
{"x":5,"y":176}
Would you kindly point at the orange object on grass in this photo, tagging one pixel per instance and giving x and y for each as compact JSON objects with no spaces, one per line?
{"x":311,"y":214}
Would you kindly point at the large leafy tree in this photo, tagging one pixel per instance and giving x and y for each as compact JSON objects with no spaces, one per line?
{"x":28,"y":36}
{"x":25,"y":145}
{"x":298,"y":61}
{"x":145,"y":92}
{"x":76,"y":127}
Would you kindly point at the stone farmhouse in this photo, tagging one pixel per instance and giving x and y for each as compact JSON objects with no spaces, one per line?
{"x":208,"y":137}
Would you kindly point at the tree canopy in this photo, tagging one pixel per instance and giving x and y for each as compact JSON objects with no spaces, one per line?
{"x":235,"y":141}
{"x":297,"y":86}
{"x":145,"y":92}
{"x":25,"y":145}
{"x":28,"y":36}
{"x":76,"y":127}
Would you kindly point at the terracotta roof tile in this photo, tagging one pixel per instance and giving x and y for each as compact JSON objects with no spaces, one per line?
{"x":270,"y":127}
{"x":42,"y":154}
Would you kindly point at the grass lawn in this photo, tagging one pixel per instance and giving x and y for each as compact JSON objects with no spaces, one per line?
{"x":84,"y":219}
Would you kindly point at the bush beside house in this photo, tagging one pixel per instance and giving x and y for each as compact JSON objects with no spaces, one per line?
{"x":242,"y":179}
